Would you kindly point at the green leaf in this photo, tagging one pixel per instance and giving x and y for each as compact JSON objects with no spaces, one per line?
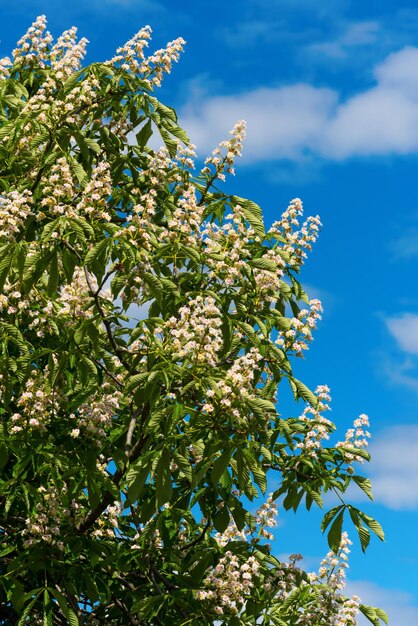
{"x":170,"y":143}
{"x":148,"y":607}
{"x":29,"y":607}
{"x":364,"y":536}
{"x":264,"y":264}
{"x":135,"y":381}
{"x":93,"y":145}
{"x":143,"y":135}
{"x":184,"y":465}
{"x":364,"y":484}
{"x":252,"y":213}
{"x":68,"y":613}
{"x":382,"y":615}
{"x":261,"y":407}
{"x":302,"y":391}
{"x":163,"y":483}
{"x":372,"y":524}
{"x":220,"y":465}
{"x":53,"y":279}
{"x":374,"y":615}
{"x":96,"y":257}
{"x":221,"y":519}
{"x":329,"y":516}
{"x":47,"y":621}
{"x":155,"y":286}
{"x":335,"y":532}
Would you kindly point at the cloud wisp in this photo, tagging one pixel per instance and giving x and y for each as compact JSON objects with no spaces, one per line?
{"x":401,"y":368}
{"x":356,"y":34}
{"x":299,"y":121}
{"x":394,"y":467}
{"x":404,"y":329}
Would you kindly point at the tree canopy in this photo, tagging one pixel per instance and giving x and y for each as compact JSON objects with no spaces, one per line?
{"x":147,"y":321}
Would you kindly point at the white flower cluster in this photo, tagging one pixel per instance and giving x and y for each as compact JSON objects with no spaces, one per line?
{"x":5,"y":64}
{"x":59,"y":189}
{"x":266,"y":518}
{"x":67,"y":54}
{"x":187,"y":217}
{"x":296,"y":242}
{"x":163,"y":169}
{"x":228,"y":584}
{"x":15,"y":208}
{"x":94,"y":417}
{"x":45,"y":523}
{"x":50,"y":108}
{"x":34,"y":45}
{"x":297,"y":337}
{"x":96,"y":194}
{"x":127,"y":55}
{"x":36,"y":405}
{"x":161,"y":62}
{"x":269,"y":282}
{"x":226,"y":247}
{"x":34,"y":304}
{"x":331,"y":605}
{"x":238,"y":382}
{"x":75,"y":298}
{"x":232,"y":148}
{"x":131,"y":57}
{"x":319,"y":426}
{"x":356,"y":437}
{"x":197,"y":334}
{"x":108,"y":522}
{"x":283,"y":580}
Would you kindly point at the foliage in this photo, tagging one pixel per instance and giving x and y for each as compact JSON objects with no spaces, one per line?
{"x":147,"y":319}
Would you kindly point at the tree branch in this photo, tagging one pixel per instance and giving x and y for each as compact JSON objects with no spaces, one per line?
{"x":132,"y":620}
{"x":106,"y":323}
{"x":108,"y":497}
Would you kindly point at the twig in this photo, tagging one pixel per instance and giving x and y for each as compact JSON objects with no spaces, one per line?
{"x":106,"y":323}
{"x":198,"y":539}
{"x":125,"y":610}
{"x":130,"y":433}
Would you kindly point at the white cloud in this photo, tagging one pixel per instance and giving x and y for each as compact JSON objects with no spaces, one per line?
{"x":399,"y":605}
{"x":393,"y":469}
{"x":403,"y":373}
{"x":405,"y":247}
{"x":404,"y":328}
{"x":356,"y":34}
{"x":282,"y":122}
{"x":291,"y":122}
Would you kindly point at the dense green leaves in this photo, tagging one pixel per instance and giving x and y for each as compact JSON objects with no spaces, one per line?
{"x":147,"y":320}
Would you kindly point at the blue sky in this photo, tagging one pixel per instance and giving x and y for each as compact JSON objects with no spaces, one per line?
{"x":330,"y":94}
